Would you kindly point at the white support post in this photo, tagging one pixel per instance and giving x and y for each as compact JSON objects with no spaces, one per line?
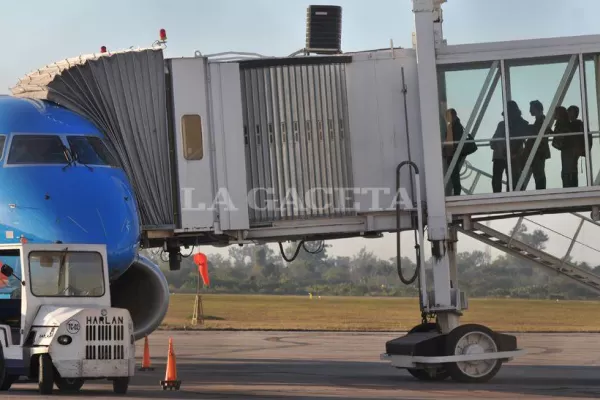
{"x":434,"y":171}
{"x":559,"y":96}
{"x":452,"y":252}
{"x":505,"y":97}
{"x":486,"y":104}
{"x":584,"y":118}
{"x":597,"y":79}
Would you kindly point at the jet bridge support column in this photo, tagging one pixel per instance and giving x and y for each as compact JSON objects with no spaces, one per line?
{"x":426,"y":12}
{"x":442,"y":349}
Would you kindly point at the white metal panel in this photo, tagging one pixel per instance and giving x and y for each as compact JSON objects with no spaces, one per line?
{"x":101,"y":344}
{"x":378,"y":127}
{"x":227,"y":133}
{"x":190,"y":93}
{"x":295,"y":127}
{"x":507,"y":50}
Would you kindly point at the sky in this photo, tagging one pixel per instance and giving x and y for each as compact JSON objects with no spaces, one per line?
{"x":42,"y":32}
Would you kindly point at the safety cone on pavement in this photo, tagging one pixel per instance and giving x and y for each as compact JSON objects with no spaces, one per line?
{"x":146,"y":360}
{"x":171,"y":381}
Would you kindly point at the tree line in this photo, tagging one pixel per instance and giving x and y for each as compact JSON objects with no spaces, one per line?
{"x":257,"y":269}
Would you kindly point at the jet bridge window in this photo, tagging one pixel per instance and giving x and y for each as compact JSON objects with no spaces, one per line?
{"x":70,"y":274}
{"x":37,"y":149}
{"x":191,"y":129}
{"x":91,"y":150}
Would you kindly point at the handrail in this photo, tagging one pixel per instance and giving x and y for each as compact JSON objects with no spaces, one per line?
{"x":573,"y":239}
{"x":420,"y":260}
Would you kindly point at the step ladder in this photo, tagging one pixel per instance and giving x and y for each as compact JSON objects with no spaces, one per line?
{"x":517,"y":248}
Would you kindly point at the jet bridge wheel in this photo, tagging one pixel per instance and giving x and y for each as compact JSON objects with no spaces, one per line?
{"x":472,"y":339}
{"x":437,"y":374}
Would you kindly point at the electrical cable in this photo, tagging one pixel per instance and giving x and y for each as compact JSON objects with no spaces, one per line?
{"x":295,"y":253}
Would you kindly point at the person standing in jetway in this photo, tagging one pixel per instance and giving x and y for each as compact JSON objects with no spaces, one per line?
{"x":454,"y":132}
{"x":518,"y":127}
{"x":578,"y":142}
{"x":569,"y":146}
{"x":538,"y":165}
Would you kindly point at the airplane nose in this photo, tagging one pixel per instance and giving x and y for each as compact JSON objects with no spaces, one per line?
{"x":99,"y":207}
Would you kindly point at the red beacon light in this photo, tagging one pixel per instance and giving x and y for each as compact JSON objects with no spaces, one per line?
{"x":163,"y":35}
{"x":103,"y":49}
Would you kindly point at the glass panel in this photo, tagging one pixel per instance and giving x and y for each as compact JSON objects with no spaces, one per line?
{"x":191,"y":126}
{"x":37,"y":149}
{"x":476,"y":97}
{"x":2,"y":143}
{"x":532,"y":88}
{"x":10,"y":290}
{"x":90,"y":150}
{"x":10,"y":287}
{"x":460,"y":90}
{"x":66,"y":274}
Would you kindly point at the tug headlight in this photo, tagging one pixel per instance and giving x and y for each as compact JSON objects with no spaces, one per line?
{"x":65,"y":340}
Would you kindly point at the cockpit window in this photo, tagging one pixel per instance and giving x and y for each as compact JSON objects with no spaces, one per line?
{"x":2,"y":142}
{"x":91,"y":150}
{"x":37,"y":149}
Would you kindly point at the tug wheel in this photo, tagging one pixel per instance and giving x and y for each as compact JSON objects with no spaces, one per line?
{"x":121,"y":385}
{"x":437,"y":374}
{"x":46,"y":374}
{"x":472,"y":339}
{"x":7,"y":382}
{"x":69,"y":384}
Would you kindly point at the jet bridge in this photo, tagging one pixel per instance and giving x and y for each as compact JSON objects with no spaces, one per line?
{"x":271,"y":149}
{"x":265,"y":149}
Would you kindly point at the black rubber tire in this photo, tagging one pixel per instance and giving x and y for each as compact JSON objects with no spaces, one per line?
{"x":3,"y":374}
{"x":8,"y":381}
{"x":69,"y":385}
{"x":421,"y":374}
{"x":452,"y":340}
{"x":46,"y":375}
{"x":121,"y":385}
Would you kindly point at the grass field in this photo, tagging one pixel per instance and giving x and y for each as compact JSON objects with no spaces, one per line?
{"x":248,"y":312}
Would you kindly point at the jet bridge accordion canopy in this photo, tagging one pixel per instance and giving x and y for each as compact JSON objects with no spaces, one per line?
{"x":124,"y":94}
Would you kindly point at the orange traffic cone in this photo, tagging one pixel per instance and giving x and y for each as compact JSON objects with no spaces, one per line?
{"x":146,"y":360}
{"x":171,"y":381}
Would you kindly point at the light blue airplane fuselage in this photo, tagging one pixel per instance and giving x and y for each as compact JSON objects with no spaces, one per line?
{"x":50,"y":201}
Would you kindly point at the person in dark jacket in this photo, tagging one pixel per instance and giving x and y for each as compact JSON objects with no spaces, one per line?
{"x":566,"y":145}
{"x":577,"y":146}
{"x":454,"y":134}
{"x":518,"y":127}
{"x":538,"y":164}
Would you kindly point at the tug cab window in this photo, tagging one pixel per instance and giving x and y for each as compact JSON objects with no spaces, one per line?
{"x":37,"y":149}
{"x":66,"y":274}
{"x":91,"y":150}
{"x":10,"y":293}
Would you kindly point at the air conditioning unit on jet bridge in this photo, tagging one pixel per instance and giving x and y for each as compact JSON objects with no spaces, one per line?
{"x":324,"y":29}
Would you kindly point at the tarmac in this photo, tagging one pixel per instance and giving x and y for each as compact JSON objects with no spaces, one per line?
{"x":317,"y":365}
